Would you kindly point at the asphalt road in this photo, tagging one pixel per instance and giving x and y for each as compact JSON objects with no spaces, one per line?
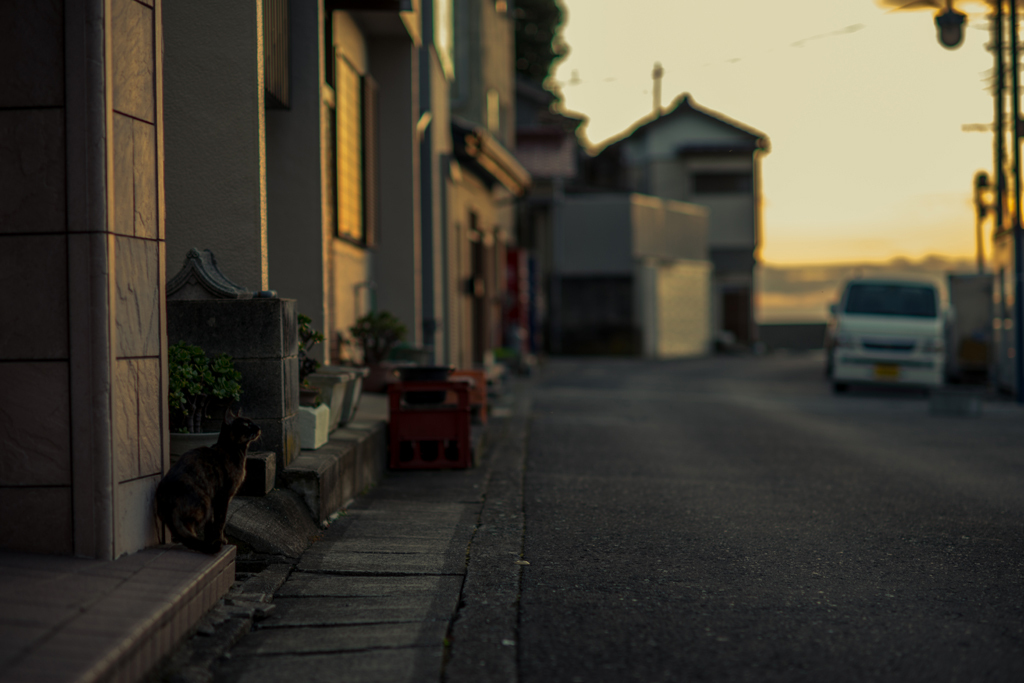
{"x":730,"y":519}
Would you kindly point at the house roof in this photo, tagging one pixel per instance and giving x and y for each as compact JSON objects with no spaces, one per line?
{"x":685,"y":106}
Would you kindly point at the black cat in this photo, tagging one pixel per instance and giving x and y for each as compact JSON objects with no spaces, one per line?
{"x":192,"y":499}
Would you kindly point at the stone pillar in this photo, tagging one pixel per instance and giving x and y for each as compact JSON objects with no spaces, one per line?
{"x":216,"y":156}
{"x":82,"y":349}
{"x":207,"y":309}
{"x":261,"y":335}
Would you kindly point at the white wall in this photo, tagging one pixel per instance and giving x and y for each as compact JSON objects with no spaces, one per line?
{"x":668,"y":229}
{"x":674,"y":307}
{"x":684,"y":309}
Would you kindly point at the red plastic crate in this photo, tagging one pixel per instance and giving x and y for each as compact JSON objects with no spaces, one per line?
{"x":433,"y":436}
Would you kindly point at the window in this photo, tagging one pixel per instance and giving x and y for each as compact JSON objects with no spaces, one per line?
{"x":722,"y":183}
{"x":882,"y":299}
{"x":493,"y":111}
{"x":354,"y":136}
{"x":348,"y":113}
{"x":275,"y":53}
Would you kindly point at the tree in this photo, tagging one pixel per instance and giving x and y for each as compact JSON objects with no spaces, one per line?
{"x":538,"y":43}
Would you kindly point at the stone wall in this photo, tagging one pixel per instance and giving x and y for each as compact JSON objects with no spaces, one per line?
{"x":262,"y":336}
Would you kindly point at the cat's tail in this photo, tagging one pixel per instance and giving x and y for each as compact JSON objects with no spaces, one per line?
{"x":183,"y":534}
{"x":170,"y":513}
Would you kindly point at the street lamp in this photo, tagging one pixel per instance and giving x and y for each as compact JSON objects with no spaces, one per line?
{"x":951,"y":27}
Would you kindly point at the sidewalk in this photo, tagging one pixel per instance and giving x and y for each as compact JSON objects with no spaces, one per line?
{"x":418,"y":579}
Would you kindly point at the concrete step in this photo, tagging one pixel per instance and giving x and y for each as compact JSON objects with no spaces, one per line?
{"x":78,"y":620}
{"x":329,"y":477}
{"x":260,"y":473}
{"x":354,"y":458}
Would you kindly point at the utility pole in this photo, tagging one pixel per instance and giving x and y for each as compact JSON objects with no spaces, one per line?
{"x":999,"y":95}
{"x":981,"y":183}
{"x":658,"y":73}
{"x":1018,"y":257}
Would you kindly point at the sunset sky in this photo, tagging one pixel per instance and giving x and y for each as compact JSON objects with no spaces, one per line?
{"x":863,"y":108}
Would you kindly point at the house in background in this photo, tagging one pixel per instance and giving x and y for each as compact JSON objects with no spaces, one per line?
{"x":547,"y":144}
{"x":630,"y":275}
{"x":692,"y":154}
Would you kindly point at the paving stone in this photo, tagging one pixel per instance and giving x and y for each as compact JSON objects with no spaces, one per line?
{"x":317,"y":611}
{"x":267,"y":581}
{"x":301,"y":584}
{"x":395,"y":529}
{"x":412,"y":633}
{"x":383,"y":563}
{"x":375,"y":666}
{"x":292,"y":612}
{"x":391,"y":544}
{"x":276,"y":524}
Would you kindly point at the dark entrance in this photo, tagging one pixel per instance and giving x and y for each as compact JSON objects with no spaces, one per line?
{"x":736,"y":314}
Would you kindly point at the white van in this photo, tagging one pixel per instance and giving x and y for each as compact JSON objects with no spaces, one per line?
{"x":889,"y":330}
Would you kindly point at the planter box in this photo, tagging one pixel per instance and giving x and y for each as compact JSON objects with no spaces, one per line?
{"x":346,"y":407}
{"x":314,"y":426}
{"x":352,"y":395}
{"x":333,"y":386}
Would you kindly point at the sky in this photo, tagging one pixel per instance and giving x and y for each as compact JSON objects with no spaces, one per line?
{"x":864,"y":110}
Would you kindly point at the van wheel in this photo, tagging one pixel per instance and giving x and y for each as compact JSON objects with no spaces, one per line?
{"x":840,"y":387}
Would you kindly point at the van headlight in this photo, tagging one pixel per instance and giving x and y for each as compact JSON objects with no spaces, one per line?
{"x":932,"y":345}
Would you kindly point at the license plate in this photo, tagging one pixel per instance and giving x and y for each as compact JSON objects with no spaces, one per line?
{"x":887,"y":372}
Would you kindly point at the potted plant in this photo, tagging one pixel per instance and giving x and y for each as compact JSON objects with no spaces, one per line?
{"x":314,"y":416}
{"x":197,"y":386}
{"x":224,"y":390}
{"x":376,"y":333}
{"x":308,"y":338}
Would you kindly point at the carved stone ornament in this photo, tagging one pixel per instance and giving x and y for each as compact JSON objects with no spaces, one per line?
{"x":199,"y":278}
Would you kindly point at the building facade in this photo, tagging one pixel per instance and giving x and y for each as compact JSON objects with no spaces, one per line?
{"x":692,"y":154}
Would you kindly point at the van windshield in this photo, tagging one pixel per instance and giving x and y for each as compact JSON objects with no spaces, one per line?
{"x":890,"y":299}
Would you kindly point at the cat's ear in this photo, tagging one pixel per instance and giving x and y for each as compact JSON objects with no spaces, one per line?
{"x":229,"y":416}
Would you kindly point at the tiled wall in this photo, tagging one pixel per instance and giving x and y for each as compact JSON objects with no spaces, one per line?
{"x":35,"y":465}
{"x":82,"y":354}
{"x":138,"y":275}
